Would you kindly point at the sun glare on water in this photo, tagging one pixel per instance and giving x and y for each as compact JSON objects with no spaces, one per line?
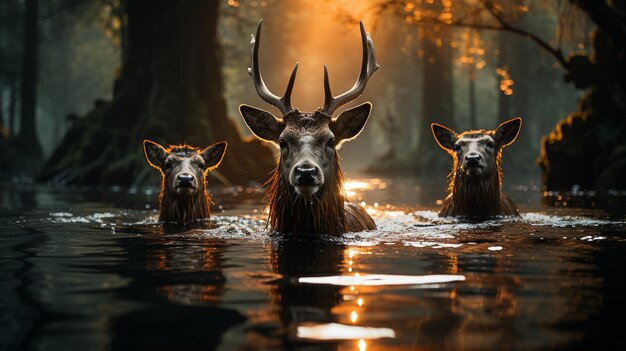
{"x":354,"y":187}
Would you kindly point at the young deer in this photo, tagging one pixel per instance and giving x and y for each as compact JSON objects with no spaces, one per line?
{"x":475,"y":183}
{"x":305,"y":193}
{"x":184,"y":168}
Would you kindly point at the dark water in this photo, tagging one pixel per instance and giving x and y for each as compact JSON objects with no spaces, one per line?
{"x":85,"y":269}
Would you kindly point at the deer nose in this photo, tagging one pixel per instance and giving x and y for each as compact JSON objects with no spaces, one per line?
{"x":306,"y":175}
{"x":472,"y":159}
{"x":185,"y":179}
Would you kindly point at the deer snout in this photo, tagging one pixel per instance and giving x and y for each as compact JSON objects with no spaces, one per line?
{"x":306,"y":178}
{"x":472,"y":160}
{"x":306,"y":175}
{"x":185,"y":180}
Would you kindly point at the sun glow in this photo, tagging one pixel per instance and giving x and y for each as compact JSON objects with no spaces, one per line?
{"x":350,"y":187}
{"x":353,"y":188}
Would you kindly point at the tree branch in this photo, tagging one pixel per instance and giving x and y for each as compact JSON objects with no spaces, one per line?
{"x":558,"y":54}
{"x":503,"y":26}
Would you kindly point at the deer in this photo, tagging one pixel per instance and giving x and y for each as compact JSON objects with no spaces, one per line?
{"x":184,"y":198}
{"x":305,"y":191}
{"x":475,"y":182}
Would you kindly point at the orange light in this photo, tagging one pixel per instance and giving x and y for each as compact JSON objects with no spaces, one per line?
{"x":362,"y":345}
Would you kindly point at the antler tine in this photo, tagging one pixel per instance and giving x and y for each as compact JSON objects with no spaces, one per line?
{"x":368,"y":67}
{"x":286,"y":99}
{"x":282,"y":103}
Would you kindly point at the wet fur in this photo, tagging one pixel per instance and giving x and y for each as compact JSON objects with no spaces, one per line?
{"x":184,"y":209}
{"x":326,"y":212}
{"x":477,"y":198}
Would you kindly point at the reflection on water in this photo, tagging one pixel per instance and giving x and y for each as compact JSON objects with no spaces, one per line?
{"x":334,"y":331}
{"x":381,"y":279}
{"x":83,"y":269}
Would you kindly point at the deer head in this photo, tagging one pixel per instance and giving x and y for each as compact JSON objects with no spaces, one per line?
{"x":476,"y":152}
{"x":308,"y":141}
{"x":184,"y":168}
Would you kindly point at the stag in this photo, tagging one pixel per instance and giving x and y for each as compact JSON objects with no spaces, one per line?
{"x":184,"y":198}
{"x":305,"y":192}
{"x":475,"y":183}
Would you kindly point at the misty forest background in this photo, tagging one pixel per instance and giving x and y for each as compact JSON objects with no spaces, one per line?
{"x":83,"y":82}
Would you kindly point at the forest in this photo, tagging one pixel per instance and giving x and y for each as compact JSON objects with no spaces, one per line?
{"x":83,"y":82}
{"x":438,"y":175}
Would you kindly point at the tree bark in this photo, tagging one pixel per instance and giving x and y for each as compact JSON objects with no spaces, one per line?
{"x":28,"y":142}
{"x":170,"y":91}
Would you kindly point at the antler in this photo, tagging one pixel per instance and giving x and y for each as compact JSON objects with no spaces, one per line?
{"x":368,"y":67}
{"x":282,"y":103}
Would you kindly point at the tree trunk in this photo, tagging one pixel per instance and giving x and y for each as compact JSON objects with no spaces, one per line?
{"x":504,"y":101}
{"x":472,"y":96}
{"x":517,"y":158}
{"x":1,"y":106}
{"x":170,"y":91}
{"x":28,"y":141}
{"x":12,"y":104}
{"x":437,"y":98}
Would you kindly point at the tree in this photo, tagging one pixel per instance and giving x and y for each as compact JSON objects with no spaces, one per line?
{"x":170,"y":90}
{"x":10,"y":58}
{"x":27,"y":140}
{"x":437,"y":94}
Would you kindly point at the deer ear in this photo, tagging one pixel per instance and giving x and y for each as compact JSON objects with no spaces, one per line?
{"x":214,"y":154}
{"x":351,"y":122}
{"x":155,"y":153}
{"x":445,"y":136}
{"x":508,"y":131}
{"x":262,"y":123}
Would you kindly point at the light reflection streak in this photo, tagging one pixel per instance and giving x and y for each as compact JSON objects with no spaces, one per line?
{"x":382,"y":279}
{"x":336,"y":331}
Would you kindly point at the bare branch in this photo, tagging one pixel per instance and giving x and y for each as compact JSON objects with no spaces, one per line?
{"x":502,"y":26}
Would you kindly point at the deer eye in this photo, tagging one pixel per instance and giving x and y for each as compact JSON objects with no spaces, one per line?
{"x":490,"y":144}
{"x":457,"y":147}
{"x":202,"y":165}
{"x":167,"y":165}
{"x":282,"y":144}
{"x":331,"y":143}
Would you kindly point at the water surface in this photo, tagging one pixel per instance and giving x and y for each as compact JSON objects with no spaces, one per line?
{"x":91,"y":269}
